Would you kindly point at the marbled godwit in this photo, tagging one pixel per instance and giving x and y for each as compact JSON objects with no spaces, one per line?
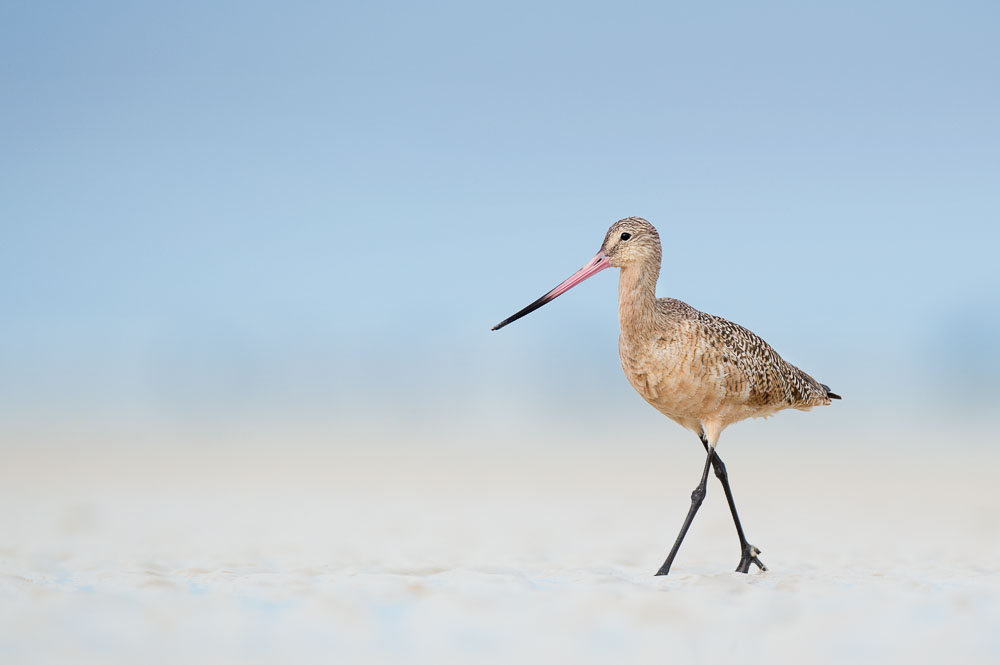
{"x":701,"y":371}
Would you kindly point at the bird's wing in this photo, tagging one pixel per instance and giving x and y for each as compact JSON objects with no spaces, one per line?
{"x":771,"y":381}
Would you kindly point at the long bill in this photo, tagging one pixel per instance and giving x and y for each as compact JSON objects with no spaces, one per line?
{"x":594,"y":266}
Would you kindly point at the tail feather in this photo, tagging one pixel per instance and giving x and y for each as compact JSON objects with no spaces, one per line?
{"x":829,"y":393}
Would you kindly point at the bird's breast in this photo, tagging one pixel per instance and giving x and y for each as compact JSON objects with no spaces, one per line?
{"x":681,"y":379}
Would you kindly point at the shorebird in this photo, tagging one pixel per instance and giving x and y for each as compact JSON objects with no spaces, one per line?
{"x":701,"y":371}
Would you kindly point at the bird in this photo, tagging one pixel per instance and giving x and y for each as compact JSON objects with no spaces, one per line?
{"x":702,"y":371}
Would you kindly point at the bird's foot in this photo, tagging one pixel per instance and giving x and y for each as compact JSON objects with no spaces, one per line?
{"x":749,"y":556}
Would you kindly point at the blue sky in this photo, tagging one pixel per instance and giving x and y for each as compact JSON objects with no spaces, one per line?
{"x":229,"y":210}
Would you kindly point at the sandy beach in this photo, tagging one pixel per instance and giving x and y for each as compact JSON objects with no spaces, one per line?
{"x":533,"y":554}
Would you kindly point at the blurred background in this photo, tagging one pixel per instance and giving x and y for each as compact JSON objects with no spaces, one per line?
{"x":241,"y":213}
{"x":281,"y":233}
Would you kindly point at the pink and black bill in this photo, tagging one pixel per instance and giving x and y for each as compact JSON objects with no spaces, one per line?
{"x":594,"y":266}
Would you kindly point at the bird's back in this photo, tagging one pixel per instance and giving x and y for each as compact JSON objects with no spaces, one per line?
{"x":694,"y":366}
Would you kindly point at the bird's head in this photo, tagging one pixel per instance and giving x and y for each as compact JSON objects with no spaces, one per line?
{"x":632,"y":241}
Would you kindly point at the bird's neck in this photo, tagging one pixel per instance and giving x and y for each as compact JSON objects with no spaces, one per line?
{"x":636,"y":298}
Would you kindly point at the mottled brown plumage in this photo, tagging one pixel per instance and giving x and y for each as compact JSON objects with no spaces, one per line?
{"x":700,"y":370}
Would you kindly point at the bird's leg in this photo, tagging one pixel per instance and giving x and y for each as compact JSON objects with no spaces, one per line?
{"x":697,"y":496}
{"x":749,"y":552}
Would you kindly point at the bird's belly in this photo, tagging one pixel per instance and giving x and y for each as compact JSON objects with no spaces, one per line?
{"x":679,"y":385}
{"x":674,"y":393}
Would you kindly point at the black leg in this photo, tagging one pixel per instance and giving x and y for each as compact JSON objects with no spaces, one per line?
{"x":697,"y":496}
{"x":749,"y":552}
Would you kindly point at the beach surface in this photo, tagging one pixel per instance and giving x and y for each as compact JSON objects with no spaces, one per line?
{"x":303,"y":553}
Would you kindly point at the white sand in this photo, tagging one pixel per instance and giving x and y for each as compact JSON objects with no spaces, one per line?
{"x":304,"y":554}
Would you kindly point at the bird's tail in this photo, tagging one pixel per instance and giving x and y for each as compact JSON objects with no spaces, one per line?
{"x":830,"y":393}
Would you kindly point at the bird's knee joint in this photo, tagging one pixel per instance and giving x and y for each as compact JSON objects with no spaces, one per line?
{"x":698,"y":495}
{"x":720,"y":471}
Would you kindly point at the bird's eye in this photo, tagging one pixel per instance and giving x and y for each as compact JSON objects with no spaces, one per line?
{"x":626,"y":236}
